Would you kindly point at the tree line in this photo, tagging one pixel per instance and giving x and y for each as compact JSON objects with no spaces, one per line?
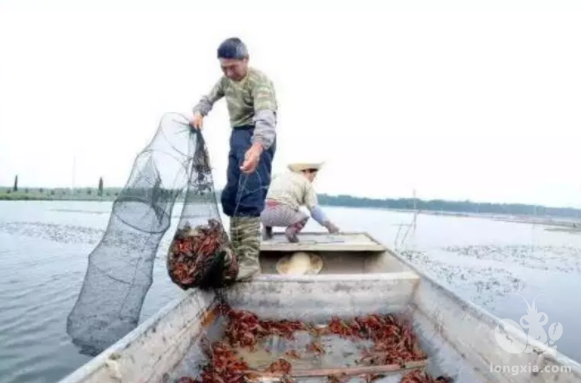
{"x":30,"y":192}
{"x":449,"y":206}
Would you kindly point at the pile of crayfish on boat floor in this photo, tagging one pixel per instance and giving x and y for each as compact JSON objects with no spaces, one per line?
{"x":393,"y":350}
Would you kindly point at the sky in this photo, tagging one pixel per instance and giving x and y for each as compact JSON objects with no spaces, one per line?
{"x":457,"y":100}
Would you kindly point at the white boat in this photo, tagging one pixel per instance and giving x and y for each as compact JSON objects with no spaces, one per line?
{"x":360,"y":276}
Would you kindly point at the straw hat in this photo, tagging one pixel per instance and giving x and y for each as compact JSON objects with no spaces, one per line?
{"x":300,"y":166}
{"x":300,"y":263}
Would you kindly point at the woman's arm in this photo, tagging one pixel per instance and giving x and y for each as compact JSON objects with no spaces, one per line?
{"x":317,"y":212}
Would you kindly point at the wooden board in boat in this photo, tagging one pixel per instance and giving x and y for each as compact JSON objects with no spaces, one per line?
{"x":323,"y":242}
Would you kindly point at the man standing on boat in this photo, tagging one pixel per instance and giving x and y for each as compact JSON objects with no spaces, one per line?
{"x":252,"y":106}
{"x":287,"y":193}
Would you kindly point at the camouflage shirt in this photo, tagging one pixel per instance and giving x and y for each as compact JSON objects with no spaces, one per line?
{"x":251,"y":101}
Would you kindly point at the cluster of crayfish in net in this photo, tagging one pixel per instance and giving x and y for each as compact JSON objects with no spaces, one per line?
{"x":394,"y":344}
{"x":202,"y":257}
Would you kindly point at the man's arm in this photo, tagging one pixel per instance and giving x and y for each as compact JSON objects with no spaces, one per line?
{"x":264,"y":113}
{"x":207,"y":101}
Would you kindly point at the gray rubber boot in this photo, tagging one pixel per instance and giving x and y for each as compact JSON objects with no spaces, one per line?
{"x":247,"y":230}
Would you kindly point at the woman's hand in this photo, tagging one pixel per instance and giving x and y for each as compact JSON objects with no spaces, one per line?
{"x":331,"y":227}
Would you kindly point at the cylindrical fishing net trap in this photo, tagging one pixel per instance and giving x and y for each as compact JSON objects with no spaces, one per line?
{"x":120,"y":268}
{"x":201,"y":254}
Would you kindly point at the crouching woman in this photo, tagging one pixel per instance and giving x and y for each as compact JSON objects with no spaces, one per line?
{"x":286,"y":194}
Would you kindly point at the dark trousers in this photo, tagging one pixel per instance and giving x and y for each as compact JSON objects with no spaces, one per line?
{"x":244,"y":194}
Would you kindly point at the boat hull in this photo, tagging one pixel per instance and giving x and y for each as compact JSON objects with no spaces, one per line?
{"x":457,"y":335}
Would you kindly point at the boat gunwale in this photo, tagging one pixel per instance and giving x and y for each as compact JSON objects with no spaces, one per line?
{"x":96,"y":362}
{"x":489,"y":318}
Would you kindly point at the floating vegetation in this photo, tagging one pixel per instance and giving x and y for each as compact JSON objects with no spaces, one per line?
{"x":481,"y":285}
{"x":565,"y":259}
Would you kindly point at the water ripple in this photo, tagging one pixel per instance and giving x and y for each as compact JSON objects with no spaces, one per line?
{"x":52,"y":232}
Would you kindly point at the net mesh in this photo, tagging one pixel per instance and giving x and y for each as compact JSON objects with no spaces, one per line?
{"x":201,"y":253}
{"x":120,"y":268}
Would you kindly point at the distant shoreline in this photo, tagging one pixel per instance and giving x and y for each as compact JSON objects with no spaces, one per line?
{"x":571,"y":225}
{"x":562,"y":219}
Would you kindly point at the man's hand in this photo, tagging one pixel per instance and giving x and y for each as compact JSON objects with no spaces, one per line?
{"x":251,"y":158}
{"x":197,"y":122}
{"x":331,"y":227}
